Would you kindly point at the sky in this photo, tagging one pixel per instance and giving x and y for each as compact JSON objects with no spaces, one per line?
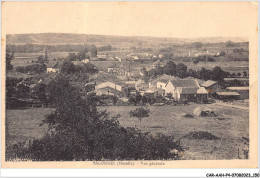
{"x":161,"y":19}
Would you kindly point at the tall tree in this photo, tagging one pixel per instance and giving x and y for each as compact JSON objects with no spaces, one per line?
{"x":181,"y":70}
{"x":170,"y":68}
{"x":205,"y":74}
{"x":140,"y":113}
{"x":218,"y":74}
{"x":9,"y":58}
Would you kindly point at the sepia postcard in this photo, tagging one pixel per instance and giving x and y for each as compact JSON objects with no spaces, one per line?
{"x":129,"y":85}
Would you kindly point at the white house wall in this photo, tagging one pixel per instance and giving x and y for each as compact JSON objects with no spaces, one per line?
{"x":159,"y":84}
{"x":169,"y":88}
{"x":54,"y":70}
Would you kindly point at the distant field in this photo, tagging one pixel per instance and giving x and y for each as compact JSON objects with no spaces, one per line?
{"x":229,"y":66}
{"x":231,"y":125}
{"x":24,"y":59}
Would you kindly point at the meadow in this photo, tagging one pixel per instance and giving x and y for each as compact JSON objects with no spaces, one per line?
{"x":230,"y":126}
{"x":24,"y":59}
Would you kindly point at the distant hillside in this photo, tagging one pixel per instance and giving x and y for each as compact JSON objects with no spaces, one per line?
{"x":70,"y":38}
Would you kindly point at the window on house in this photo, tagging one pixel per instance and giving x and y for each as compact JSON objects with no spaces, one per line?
{"x":160,"y":86}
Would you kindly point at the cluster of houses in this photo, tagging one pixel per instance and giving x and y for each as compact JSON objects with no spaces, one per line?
{"x":188,"y":89}
{"x":116,"y":81}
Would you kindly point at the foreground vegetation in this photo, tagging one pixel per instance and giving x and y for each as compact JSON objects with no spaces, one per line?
{"x":229,"y":126}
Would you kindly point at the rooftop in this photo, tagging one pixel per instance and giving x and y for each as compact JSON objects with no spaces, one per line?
{"x":189,"y":83}
{"x":202,"y":90}
{"x":208,"y":83}
{"x":53,"y":65}
{"x":228,"y":93}
{"x":238,"y":88}
{"x":110,"y":90}
{"x":182,"y":90}
{"x":240,"y":79}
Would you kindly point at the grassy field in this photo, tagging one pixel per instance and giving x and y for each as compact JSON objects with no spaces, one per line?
{"x":23,"y":124}
{"x":230,"y":126}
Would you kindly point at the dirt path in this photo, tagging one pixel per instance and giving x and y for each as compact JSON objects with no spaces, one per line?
{"x":232,"y":106}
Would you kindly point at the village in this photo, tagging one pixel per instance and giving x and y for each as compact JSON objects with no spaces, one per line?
{"x":120,"y":79}
{"x":190,"y":87}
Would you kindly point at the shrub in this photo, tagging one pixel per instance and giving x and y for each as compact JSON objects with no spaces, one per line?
{"x":201,"y":135}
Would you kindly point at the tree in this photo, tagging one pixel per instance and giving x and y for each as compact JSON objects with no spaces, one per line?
{"x":193,"y":73}
{"x":114,"y":99}
{"x":68,"y":67}
{"x":72,"y":57}
{"x":41,"y":59}
{"x":140,"y":113}
{"x":40,"y":92}
{"x":245,"y":74}
{"x":230,"y":44}
{"x":132,"y":100}
{"x":170,"y":68}
{"x":93,"y":51}
{"x":218,"y":74}
{"x":144,"y":99}
{"x":9,"y":58}
{"x":222,"y":53}
{"x":205,"y":74}
{"x":236,"y":50}
{"x":55,"y":89}
{"x":181,"y":70}
{"x":32,"y":69}
{"x":82,"y":55}
{"x":138,"y":98}
{"x":144,"y":74}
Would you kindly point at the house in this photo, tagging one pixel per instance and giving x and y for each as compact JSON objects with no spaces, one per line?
{"x":211,"y":86}
{"x":149,"y":93}
{"x":108,"y":91}
{"x":116,"y":70}
{"x":110,"y":85}
{"x":160,"y":82}
{"x":135,"y":58}
{"x":160,"y":56}
{"x":243,"y":91}
{"x":110,"y":59}
{"x":205,"y":54}
{"x":228,"y":95}
{"x":53,"y":68}
{"x":202,"y":94}
{"x":157,"y":64}
{"x":186,"y":89}
{"x":118,"y":58}
{"x":141,"y":85}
